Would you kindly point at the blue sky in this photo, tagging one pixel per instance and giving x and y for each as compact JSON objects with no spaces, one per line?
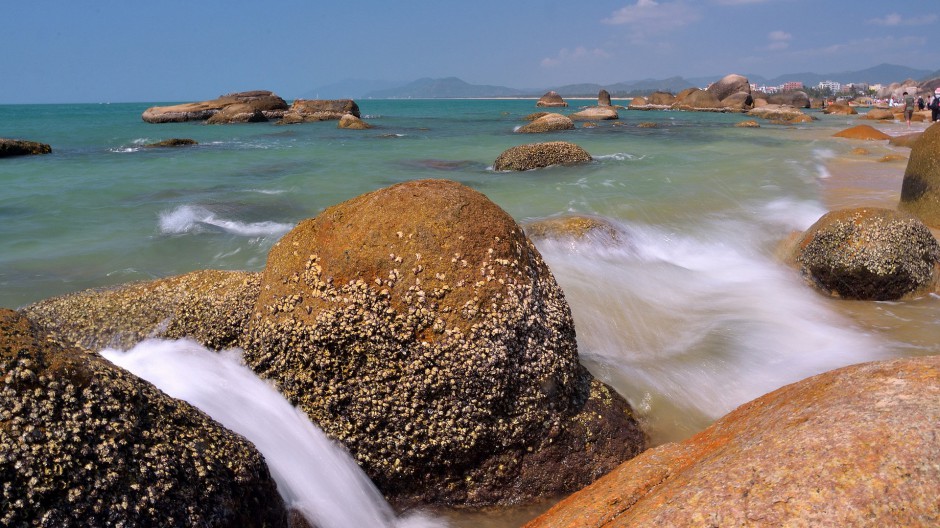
{"x":129,"y":50}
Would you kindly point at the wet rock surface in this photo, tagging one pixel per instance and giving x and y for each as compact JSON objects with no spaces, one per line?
{"x":538,"y":155}
{"x":547,"y":123}
{"x":21,"y":147}
{"x":84,"y":443}
{"x":420,"y":327}
{"x":209,"y":306}
{"x":869,"y":254}
{"x":851,"y":447}
{"x":864,"y":132}
{"x":920,"y":190}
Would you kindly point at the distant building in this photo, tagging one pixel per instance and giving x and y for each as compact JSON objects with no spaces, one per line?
{"x":790,"y":86}
{"x":832,"y":86}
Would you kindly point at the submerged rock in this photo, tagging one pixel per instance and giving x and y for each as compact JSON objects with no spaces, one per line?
{"x":920,"y":190}
{"x":172,"y":142}
{"x":269,"y":104}
{"x":573,"y":227}
{"x":869,"y":254}
{"x":851,"y":447}
{"x":419,"y":326}
{"x":20,"y":147}
{"x":209,"y":306}
{"x":538,"y":155}
{"x":547,"y":123}
{"x":551,"y":100}
{"x":84,"y":443}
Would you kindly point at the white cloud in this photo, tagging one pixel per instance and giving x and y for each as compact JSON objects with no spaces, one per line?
{"x":779,"y":40}
{"x":578,"y":54}
{"x":894,"y":19}
{"x":649,"y":17}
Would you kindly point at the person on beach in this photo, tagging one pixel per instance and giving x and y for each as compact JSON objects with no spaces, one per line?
{"x":934,"y":106}
{"x":920,"y":102}
{"x":908,"y":108}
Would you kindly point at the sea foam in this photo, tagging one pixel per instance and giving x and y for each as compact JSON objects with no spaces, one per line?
{"x":187,"y":219}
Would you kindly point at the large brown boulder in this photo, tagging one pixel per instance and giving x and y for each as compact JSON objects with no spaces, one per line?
{"x":879,"y":114}
{"x":20,"y":147}
{"x":851,"y":447}
{"x":419,"y":326}
{"x":547,"y":123}
{"x":865,"y":132}
{"x":353,"y":123}
{"x":84,"y":443}
{"x":796,"y":99}
{"x":603,"y":98}
{"x":920,"y":190}
{"x":596,"y":112}
{"x":237,"y":113}
{"x":840,"y":109}
{"x":269,"y":104}
{"x":638,"y":102}
{"x":738,"y":101}
{"x":538,"y":155}
{"x":663,"y":99}
{"x":311,"y":110}
{"x":551,"y":100}
{"x":211,"y":307}
{"x":780,"y":113}
{"x":698,"y":100}
{"x":869,"y":254}
{"x":730,"y":84}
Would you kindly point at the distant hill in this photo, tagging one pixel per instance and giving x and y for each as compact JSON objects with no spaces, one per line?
{"x":452,"y":87}
{"x":449,"y":87}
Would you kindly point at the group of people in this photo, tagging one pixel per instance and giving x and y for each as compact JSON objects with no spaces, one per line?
{"x":910,"y":103}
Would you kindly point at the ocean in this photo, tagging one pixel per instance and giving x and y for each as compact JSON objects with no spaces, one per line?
{"x":686,"y":312}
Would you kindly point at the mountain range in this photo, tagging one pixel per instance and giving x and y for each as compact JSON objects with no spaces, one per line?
{"x":454,"y":88}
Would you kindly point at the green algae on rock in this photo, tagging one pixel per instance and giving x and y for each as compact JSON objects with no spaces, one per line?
{"x":84,"y":443}
{"x":538,"y":155}
{"x":209,"y":306}
{"x":869,"y":254}
{"x":419,"y":326}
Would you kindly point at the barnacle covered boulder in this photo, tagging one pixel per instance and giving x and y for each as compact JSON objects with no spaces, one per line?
{"x":551,"y":99}
{"x":920,"y":190}
{"x":22,"y":147}
{"x":869,"y":254}
{"x":253,"y":103}
{"x":84,"y":443}
{"x":549,"y":122}
{"x":538,"y":155}
{"x":419,"y":326}
{"x":855,"y":446}
{"x":208,"y":306}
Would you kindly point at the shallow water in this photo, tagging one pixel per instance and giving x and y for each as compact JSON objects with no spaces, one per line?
{"x":686,"y":312}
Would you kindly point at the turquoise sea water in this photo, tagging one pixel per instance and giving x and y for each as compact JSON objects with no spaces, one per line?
{"x":687,"y":313}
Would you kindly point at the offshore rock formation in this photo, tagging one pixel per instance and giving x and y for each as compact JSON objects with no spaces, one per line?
{"x":780,"y":113}
{"x":920,"y":190}
{"x":729,"y":85}
{"x":596,"y":112}
{"x":172,"y":142}
{"x":209,"y":306}
{"x":352,"y":122}
{"x":547,"y":123}
{"x":419,"y":326}
{"x":551,"y":100}
{"x":869,"y":254}
{"x":851,"y":447}
{"x":20,"y":147}
{"x":796,"y":99}
{"x":603,"y":98}
{"x":538,"y":155}
{"x":245,"y":104}
{"x":84,"y":443}
{"x":311,"y":110}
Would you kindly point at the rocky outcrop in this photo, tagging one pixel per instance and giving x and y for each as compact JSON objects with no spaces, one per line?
{"x":538,"y":155}
{"x":779,"y":113}
{"x":172,"y":142}
{"x":419,"y":326}
{"x":869,"y":254}
{"x":738,"y":101}
{"x":265,"y":102}
{"x":638,"y":103}
{"x":906,"y":140}
{"x":84,"y":443}
{"x":209,"y":306}
{"x":547,"y":123}
{"x":551,"y":100}
{"x":20,"y":147}
{"x":850,"y":447}
{"x":596,"y":112}
{"x":920,"y":190}
{"x":352,"y":122}
{"x":728,"y":85}
{"x":796,"y":99}
{"x":698,"y":100}
{"x":864,"y":132}
{"x":312,"y":110}
{"x":664,"y":99}
{"x":237,"y":113}
{"x":878,"y":114}
{"x":603,"y":98}
{"x":840,"y":109}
